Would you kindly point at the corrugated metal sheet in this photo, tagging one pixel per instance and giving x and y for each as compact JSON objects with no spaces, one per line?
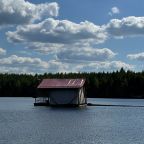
{"x":61,"y":83}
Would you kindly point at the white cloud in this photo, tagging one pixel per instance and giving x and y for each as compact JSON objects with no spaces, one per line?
{"x":5,"y":69}
{"x":58,"y":32}
{"x":107,"y":66}
{"x":62,"y":37}
{"x":69,"y":45}
{"x":85,"y":54}
{"x":138,"y":56}
{"x":23,"y":12}
{"x":17,"y":61}
{"x":97,"y":66}
{"x":64,"y":32}
{"x":45,"y":48}
{"x":29,"y":65}
{"x":128,"y":26}
{"x":52,"y":33}
{"x":16,"y":64}
{"x":58,"y":66}
{"x":114,"y":10}
{"x":2,"y":51}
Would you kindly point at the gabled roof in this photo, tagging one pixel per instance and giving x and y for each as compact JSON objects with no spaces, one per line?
{"x":61,"y":83}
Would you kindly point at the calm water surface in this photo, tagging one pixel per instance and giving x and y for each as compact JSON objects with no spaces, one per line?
{"x":22,"y":123}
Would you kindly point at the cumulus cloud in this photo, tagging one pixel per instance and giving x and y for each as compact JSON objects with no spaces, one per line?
{"x":69,"y":46}
{"x":17,"y":64}
{"x":17,"y":70}
{"x":128,"y":26}
{"x":17,"y":61}
{"x":23,"y":12}
{"x":2,"y":51}
{"x":106,"y":66}
{"x":58,"y":66}
{"x":114,"y":10}
{"x":138,"y":56}
{"x":85,"y":66}
{"x":85,"y":54}
{"x":58,"y":32}
{"x":45,"y":48}
{"x":97,"y":66}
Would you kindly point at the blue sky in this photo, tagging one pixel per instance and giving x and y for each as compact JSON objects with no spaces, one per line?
{"x":38,"y":36}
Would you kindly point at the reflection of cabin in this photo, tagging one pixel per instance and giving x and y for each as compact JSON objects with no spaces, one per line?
{"x":61,"y":92}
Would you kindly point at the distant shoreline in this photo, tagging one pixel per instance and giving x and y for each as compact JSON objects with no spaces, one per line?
{"x":119,"y":84}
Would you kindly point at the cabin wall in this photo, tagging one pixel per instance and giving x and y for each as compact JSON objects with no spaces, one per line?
{"x":63,"y":96}
{"x":81,"y":96}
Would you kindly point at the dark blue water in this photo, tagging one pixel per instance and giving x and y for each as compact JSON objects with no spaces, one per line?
{"x":22,"y":123}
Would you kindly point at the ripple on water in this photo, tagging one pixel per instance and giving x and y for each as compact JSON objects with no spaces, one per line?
{"x":21,"y":122}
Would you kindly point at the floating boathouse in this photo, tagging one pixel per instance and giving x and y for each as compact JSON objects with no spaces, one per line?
{"x":61,"y":92}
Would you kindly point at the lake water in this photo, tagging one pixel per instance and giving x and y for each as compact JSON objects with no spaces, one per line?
{"x":22,"y":123}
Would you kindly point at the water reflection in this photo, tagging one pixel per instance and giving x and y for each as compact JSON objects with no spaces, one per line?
{"x":21,"y":122}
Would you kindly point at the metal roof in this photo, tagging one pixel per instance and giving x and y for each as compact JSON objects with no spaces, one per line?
{"x":61,"y":83}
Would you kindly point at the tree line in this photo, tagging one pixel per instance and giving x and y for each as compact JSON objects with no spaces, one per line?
{"x":119,"y":84}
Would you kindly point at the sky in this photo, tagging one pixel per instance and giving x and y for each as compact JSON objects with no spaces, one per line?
{"x":42,"y":36}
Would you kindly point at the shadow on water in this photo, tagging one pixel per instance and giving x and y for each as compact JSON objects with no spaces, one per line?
{"x":68,"y":109}
{"x":61,"y":109}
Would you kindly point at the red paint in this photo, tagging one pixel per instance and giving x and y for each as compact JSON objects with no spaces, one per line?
{"x":61,"y":83}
